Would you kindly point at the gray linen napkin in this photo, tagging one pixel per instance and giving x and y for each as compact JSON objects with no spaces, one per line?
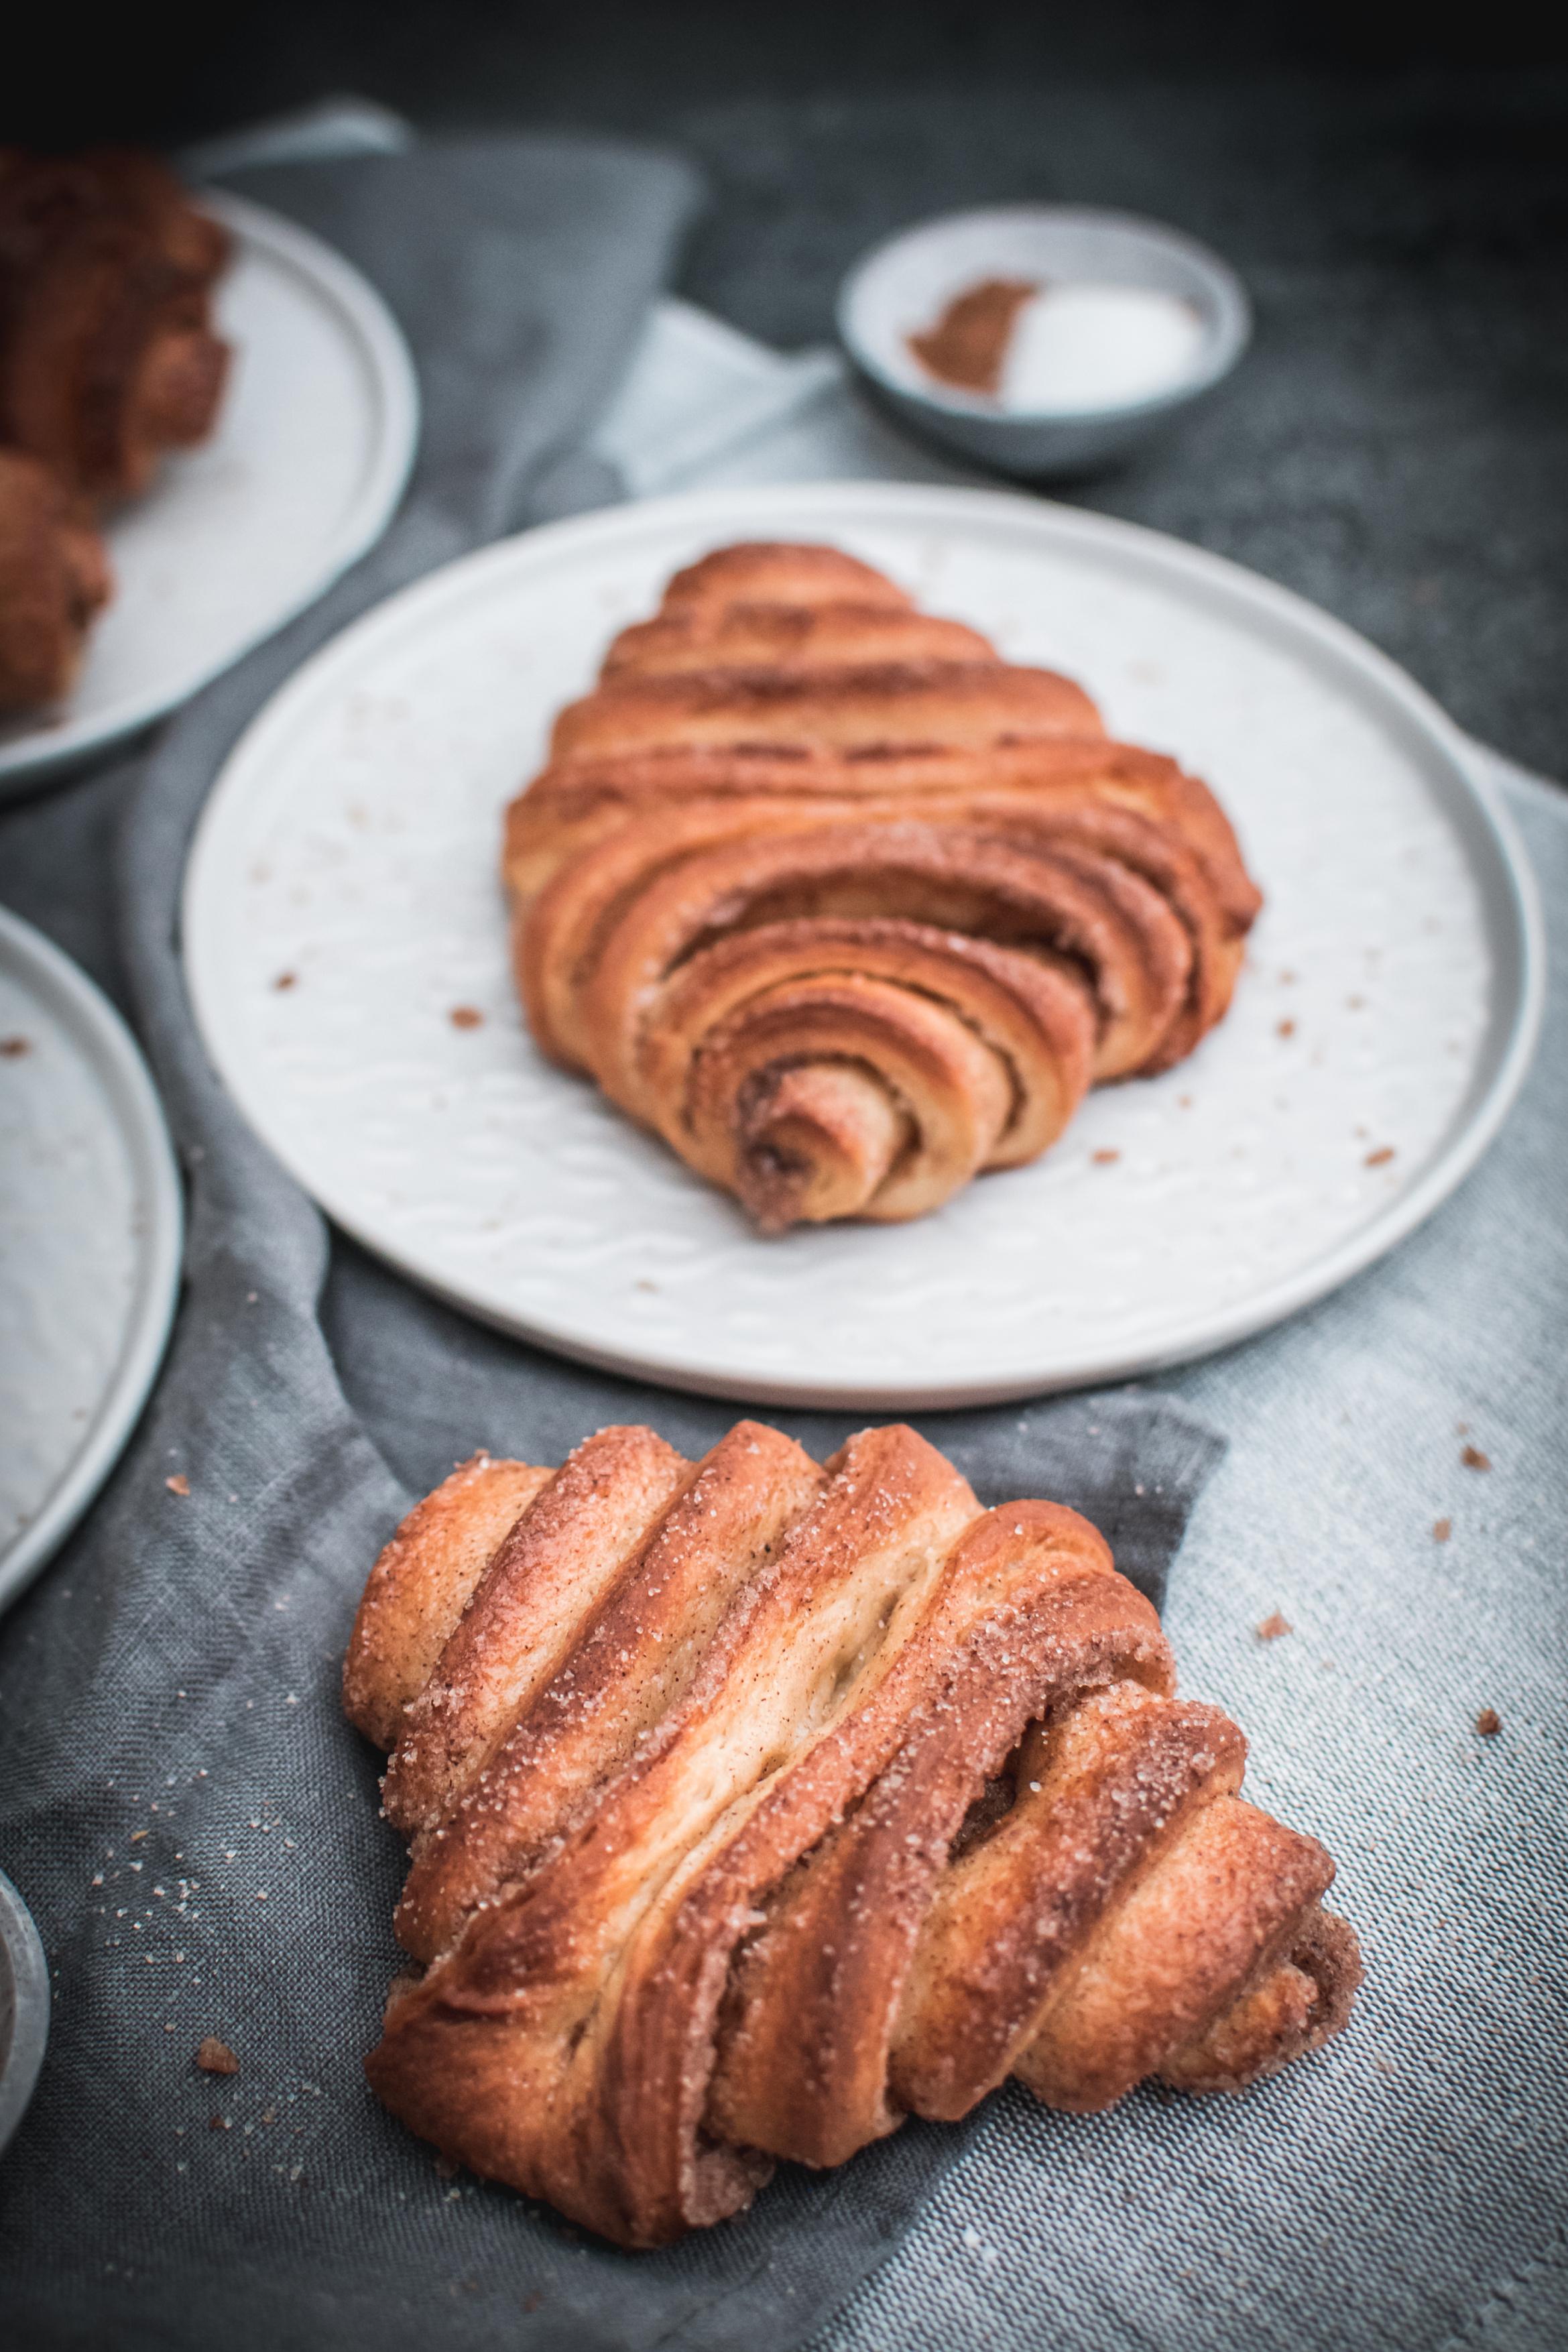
{"x":191,"y":1820}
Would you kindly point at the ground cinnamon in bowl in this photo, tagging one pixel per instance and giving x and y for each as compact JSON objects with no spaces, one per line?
{"x":968,"y":344}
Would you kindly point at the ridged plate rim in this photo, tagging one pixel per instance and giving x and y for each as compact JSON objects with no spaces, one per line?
{"x":1496,"y":857}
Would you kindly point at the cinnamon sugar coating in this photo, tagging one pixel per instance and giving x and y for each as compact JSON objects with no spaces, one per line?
{"x":769,"y":1803}
{"x":849,"y":910}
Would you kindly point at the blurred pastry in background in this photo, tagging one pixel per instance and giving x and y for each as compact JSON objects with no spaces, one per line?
{"x":54,"y":577}
{"x":107,"y":357}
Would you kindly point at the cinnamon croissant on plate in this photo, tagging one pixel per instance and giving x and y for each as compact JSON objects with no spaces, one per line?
{"x":846,"y":907}
{"x":756,"y":1805}
{"x":107,"y":358}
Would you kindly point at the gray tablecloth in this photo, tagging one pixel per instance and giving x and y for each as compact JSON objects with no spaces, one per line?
{"x":191,"y":1820}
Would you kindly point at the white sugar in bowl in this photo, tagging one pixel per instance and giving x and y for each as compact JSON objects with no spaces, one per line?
{"x":1100,"y":328}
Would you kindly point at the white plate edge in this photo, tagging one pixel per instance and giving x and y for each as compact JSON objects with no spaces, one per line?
{"x":1512,"y":893}
{"x":113,"y":1053}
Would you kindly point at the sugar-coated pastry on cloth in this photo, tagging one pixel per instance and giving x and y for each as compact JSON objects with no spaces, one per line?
{"x":54,"y":577}
{"x":846,"y":907}
{"x":107,"y":357}
{"x":756,"y":1805}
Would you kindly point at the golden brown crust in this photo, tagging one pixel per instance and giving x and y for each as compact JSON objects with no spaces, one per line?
{"x":1218,"y":1897}
{"x":1096,"y":1791}
{"x":780,"y":572}
{"x":788,"y":639}
{"x":618,"y":977}
{"x":630,"y":1661}
{"x":845,"y":1801}
{"x":521,"y":1617}
{"x":1299,"y":1996}
{"x":973,"y":1056}
{"x":967,"y":344}
{"x":786,"y":747}
{"x":107,"y":354}
{"x":1091,"y":915}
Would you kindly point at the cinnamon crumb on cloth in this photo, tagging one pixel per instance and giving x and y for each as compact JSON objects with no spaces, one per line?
{"x":179,"y":1484}
{"x":1474,"y":1459}
{"x":1441,"y":1530}
{"x":1488,"y":1723}
{"x":215,"y":2057}
{"x":1272,"y":1627}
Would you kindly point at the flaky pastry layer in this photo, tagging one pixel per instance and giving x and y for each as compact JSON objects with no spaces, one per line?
{"x":755,"y":1805}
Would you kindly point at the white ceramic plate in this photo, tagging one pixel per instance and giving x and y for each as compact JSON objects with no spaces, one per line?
{"x":342,"y":901}
{"x":313,"y":447}
{"x":90,"y":1246}
{"x":24,"y":2009}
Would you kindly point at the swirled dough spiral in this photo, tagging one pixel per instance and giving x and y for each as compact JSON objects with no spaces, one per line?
{"x":756,"y":1805}
{"x":846,"y":907}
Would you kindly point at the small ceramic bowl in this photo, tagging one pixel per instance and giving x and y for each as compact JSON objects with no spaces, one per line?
{"x":902,"y":287}
{"x":23,"y":2007}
